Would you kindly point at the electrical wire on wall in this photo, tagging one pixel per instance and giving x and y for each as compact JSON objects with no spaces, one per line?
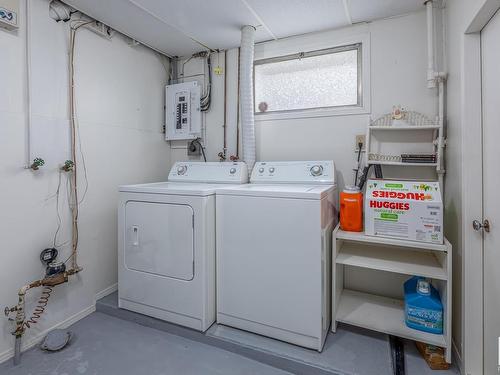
{"x":57,"y":196}
{"x":74,"y":201}
{"x":206,"y":99}
{"x":193,"y":144}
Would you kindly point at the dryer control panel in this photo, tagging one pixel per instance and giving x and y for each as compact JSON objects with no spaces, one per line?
{"x":215,"y":172}
{"x":294,"y":172}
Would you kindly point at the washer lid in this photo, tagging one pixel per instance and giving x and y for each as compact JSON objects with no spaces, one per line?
{"x":173,"y":188}
{"x":278,"y":191}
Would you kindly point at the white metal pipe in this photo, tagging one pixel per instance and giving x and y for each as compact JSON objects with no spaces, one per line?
{"x":17,"y":350}
{"x":431,"y":82}
{"x":246,"y":95}
{"x":441,"y":102}
{"x":27,"y":53}
{"x":440,"y":145}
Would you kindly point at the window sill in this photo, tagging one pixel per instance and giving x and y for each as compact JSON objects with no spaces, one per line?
{"x":308,"y":113}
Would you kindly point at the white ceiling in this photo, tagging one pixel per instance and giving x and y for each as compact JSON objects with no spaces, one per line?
{"x":181,"y":27}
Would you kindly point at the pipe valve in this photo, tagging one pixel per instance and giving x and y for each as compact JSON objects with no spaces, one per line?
{"x":9,"y":310}
{"x":68,"y":166}
{"x":37,"y":163}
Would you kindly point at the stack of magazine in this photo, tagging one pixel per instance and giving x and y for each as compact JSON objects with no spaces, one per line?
{"x":418,"y":158}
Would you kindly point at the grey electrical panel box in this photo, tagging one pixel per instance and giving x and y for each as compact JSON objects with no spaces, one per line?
{"x":9,"y":14}
{"x":183,"y":113}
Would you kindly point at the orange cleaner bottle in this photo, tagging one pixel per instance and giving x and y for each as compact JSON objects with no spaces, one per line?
{"x":351,"y":209}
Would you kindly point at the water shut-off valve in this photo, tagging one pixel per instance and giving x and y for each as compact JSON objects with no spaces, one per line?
{"x":37,"y":163}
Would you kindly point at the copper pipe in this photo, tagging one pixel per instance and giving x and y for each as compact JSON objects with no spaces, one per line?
{"x":49,"y":281}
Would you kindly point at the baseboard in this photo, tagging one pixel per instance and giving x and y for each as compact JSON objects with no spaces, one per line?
{"x":458,"y":358}
{"x":27,"y":344}
{"x":103,"y":293}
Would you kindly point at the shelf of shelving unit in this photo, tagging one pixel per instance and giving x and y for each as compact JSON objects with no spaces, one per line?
{"x":362,"y":237}
{"x":414,"y":134}
{"x":381,"y":314}
{"x":393,"y":256}
{"x":392,"y":259}
{"x":409,"y":127}
{"x":374,"y":162}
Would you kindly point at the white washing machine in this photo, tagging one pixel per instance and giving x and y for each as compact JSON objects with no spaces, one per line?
{"x":166,"y":242}
{"x":273,"y":251}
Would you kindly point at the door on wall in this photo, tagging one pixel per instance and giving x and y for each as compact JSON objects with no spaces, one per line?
{"x":488,"y":224}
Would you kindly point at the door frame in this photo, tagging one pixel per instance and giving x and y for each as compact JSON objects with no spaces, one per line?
{"x":472,"y":192}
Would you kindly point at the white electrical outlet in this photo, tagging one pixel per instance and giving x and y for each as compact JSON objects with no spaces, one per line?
{"x":9,"y":13}
{"x":360,"y":138}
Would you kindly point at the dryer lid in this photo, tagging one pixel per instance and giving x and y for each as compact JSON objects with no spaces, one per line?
{"x":172,"y":188}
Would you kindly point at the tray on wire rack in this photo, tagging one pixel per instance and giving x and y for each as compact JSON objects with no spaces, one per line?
{"x":408,"y":118}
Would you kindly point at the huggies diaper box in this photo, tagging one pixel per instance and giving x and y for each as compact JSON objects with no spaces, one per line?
{"x":407,"y":210}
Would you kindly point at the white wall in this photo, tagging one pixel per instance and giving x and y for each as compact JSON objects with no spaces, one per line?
{"x":398,"y":66}
{"x":120,"y":95}
{"x":398,"y":69}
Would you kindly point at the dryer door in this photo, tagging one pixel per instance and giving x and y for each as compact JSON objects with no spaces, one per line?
{"x":159,"y":239}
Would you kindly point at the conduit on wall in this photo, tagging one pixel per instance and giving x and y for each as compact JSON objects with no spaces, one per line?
{"x":246,"y":95}
{"x":27,"y":52}
{"x":435,"y":78}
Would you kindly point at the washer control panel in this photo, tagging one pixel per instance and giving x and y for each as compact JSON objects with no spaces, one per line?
{"x":215,"y":172}
{"x":294,"y":172}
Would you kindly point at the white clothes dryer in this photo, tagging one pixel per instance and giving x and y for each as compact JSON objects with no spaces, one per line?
{"x":166,"y":241}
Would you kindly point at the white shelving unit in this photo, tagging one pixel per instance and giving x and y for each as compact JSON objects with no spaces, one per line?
{"x":381,"y":313}
{"x":387,"y":139}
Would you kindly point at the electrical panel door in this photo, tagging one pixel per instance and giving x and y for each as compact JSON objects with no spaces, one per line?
{"x":183,"y":113}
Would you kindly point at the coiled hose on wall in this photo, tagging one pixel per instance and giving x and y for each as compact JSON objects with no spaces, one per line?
{"x":40,"y":307}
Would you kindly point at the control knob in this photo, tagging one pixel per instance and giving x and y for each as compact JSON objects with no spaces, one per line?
{"x":232,"y":170}
{"x":317,"y":170}
{"x":271,"y":170}
{"x":181,"y":169}
{"x":261,"y":170}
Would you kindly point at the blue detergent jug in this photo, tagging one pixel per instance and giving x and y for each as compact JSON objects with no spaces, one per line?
{"x":423,"y":307}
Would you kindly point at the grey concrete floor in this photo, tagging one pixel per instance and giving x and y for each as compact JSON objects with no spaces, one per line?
{"x":105,"y":345}
{"x":351,"y":351}
{"x":116,"y":341}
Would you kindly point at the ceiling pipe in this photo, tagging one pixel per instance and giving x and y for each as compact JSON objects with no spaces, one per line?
{"x":260,"y":20}
{"x":431,"y":82}
{"x":433,"y":76}
{"x":347,"y":11}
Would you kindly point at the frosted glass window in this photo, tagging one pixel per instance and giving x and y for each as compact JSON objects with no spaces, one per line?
{"x":320,"y":79}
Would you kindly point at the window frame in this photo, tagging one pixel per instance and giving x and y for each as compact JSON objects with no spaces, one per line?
{"x":358,"y":47}
{"x":315,"y":45}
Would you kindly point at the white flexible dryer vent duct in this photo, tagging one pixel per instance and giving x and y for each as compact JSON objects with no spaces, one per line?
{"x":246,"y":95}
